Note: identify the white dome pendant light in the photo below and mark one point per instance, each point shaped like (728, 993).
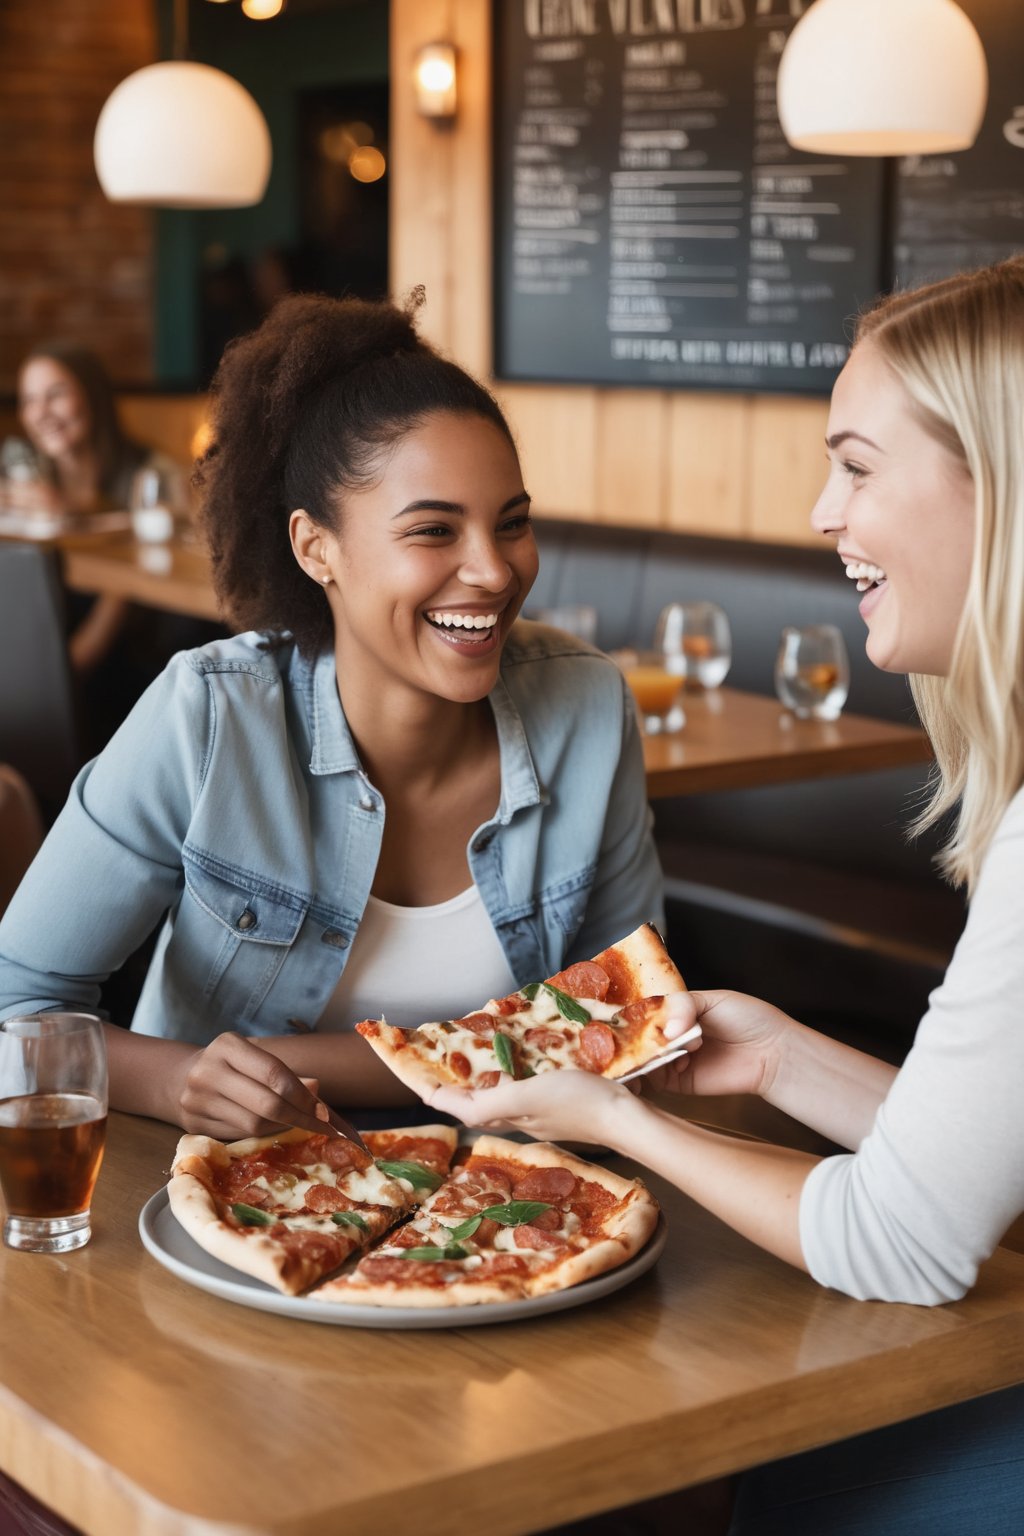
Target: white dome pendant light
(182, 135)
(882, 77)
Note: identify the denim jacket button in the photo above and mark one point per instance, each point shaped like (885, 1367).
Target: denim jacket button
(335, 938)
(483, 841)
(247, 920)
(366, 804)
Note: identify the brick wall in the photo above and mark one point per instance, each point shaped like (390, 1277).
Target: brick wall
(72, 265)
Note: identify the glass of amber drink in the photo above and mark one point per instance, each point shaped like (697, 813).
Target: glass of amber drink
(655, 688)
(53, 1121)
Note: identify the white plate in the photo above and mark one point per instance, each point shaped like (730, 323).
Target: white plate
(172, 1247)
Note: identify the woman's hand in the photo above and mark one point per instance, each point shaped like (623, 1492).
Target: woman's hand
(564, 1105)
(742, 1042)
(232, 1088)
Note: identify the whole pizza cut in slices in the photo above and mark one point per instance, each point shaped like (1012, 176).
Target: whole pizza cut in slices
(289, 1209)
(511, 1221)
(605, 1015)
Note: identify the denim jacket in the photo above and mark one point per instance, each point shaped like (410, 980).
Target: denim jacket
(231, 807)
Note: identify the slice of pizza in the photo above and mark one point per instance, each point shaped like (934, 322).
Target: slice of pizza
(510, 1221)
(289, 1209)
(605, 1015)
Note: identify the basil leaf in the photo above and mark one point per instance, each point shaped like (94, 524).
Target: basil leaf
(350, 1219)
(413, 1173)
(465, 1229)
(503, 1050)
(516, 1213)
(567, 1006)
(249, 1216)
(452, 1251)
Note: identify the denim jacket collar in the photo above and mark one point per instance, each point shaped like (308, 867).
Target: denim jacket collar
(334, 750)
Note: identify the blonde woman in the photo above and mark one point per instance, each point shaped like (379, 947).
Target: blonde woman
(925, 500)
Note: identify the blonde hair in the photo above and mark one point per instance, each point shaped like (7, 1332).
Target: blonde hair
(958, 348)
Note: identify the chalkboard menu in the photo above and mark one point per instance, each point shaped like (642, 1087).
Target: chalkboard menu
(965, 210)
(652, 224)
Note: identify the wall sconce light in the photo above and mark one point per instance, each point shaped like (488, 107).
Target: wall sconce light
(882, 77)
(434, 79)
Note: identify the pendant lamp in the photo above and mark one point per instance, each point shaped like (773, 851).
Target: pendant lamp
(882, 77)
(182, 135)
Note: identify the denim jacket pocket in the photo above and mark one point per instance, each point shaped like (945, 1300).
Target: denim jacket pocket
(238, 929)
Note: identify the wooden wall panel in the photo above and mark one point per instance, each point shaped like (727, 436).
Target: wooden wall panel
(787, 449)
(556, 430)
(708, 463)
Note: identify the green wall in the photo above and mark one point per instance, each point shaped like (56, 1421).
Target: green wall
(346, 43)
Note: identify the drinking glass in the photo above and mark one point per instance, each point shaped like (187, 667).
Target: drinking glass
(53, 1121)
(655, 689)
(812, 672)
(695, 641)
(579, 619)
(155, 504)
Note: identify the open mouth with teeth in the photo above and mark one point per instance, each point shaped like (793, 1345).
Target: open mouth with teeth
(463, 628)
(865, 574)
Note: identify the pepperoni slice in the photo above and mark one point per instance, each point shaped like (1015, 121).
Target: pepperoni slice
(488, 1080)
(622, 987)
(427, 1150)
(514, 1003)
(322, 1198)
(545, 1039)
(477, 1024)
(533, 1237)
(549, 1184)
(253, 1194)
(584, 979)
(342, 1155)
(460, 1064)
(639, 1011)
(547, 1221)
(597, 1047)
(503, 1264)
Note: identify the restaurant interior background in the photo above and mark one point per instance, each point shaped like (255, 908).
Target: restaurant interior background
(804, 893)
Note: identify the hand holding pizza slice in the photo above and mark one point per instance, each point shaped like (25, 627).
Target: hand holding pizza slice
(608, 1016)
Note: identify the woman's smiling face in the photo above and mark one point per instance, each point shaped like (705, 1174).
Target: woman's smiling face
(901, 508)
(433, 562)
(53, 407)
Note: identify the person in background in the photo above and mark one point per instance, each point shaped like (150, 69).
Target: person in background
(925, 500)
(387, 796)
(76, 459)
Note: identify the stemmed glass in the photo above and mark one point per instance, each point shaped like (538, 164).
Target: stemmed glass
(695, 640)
(812, 671)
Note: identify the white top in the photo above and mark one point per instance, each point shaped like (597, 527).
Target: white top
(417, 965)
(930, 1192)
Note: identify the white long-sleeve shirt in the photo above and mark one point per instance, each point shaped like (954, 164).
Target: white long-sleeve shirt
(930, 1191)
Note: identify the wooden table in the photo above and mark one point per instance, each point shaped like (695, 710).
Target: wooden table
(734, 740)
(174, 577)
(136, 1405)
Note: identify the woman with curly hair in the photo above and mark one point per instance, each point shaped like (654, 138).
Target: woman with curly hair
(387, 795)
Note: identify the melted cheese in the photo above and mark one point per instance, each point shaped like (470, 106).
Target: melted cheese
(367, 1186)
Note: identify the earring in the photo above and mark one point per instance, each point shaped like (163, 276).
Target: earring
(326, 580)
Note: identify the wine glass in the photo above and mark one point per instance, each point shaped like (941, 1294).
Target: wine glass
(812, 671)
(655, 689)
(695, 641)
(53, 1121)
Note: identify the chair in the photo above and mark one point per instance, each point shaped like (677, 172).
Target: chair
(38, 736)
(21, 831)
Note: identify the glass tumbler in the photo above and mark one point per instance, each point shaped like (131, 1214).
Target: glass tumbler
(53, 1121)
(696, 642)
(655, 689)
(812, 672)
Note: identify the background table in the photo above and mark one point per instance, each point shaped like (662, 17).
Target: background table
(734, 740)
(136, 1405)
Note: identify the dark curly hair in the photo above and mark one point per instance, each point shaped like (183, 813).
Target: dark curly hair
(304, 408)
